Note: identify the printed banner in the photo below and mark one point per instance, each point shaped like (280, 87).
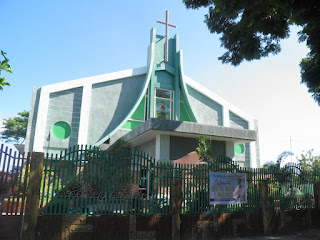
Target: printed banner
(227, 188)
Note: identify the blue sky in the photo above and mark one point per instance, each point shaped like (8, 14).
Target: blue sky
(54, 41)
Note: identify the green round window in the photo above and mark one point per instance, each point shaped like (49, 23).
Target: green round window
(239, 149)
(61, 130)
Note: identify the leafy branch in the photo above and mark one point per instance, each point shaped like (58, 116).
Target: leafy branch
(4, 66)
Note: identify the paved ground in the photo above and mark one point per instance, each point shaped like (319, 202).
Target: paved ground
(311, 234)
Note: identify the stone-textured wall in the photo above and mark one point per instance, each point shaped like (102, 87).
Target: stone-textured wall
(63, 106)
(205, 110)
(110, 104)
(237, 122)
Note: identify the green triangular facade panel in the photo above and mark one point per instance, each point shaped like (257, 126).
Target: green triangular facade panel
(184, 116)
(137, 117)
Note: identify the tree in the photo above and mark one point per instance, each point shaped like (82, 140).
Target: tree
(204, 150)
(270, 165)
(4, 65)
(15, 129)
(309, 161)
(253, 29)
(120, 147)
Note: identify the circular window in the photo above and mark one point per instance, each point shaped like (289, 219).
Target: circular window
(61, 130)
(239, 149)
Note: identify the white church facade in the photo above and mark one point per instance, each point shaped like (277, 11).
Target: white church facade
(157, 108)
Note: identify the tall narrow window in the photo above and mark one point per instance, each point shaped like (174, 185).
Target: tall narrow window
(163, 103)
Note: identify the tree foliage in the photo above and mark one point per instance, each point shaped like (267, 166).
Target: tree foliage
(252, 29)
(204, 150)
(270, 165)
(4, 66)
(120, 147)
(309, 161)
(15, 129)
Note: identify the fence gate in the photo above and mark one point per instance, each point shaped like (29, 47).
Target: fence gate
(89, 181)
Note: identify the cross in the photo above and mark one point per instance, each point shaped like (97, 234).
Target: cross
(167, 32)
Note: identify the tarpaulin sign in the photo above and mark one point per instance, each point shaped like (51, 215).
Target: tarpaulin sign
(227, 188)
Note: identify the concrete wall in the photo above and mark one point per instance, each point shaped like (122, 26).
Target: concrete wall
(256, 145)
(244, 159)
(180, 146)
(63, 106)
(164, 80)
(114, 138)
(247, 155)
(205, 110)
(160, 50)
(33, 114)
(148, 147)
(237, 122)
(238, 225)
(110, 104)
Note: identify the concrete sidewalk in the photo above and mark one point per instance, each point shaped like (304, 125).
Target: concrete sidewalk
(310, 234)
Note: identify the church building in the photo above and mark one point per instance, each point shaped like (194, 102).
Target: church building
(157, 108)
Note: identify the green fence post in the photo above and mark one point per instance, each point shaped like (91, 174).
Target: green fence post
(265, 207)
(33, 197)
(175, 195)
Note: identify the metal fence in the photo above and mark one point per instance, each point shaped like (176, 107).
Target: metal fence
(14, 177)
(288, 188)
(88, 181)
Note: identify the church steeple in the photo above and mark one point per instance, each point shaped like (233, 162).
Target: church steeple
(164, 93)
(166, 79)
